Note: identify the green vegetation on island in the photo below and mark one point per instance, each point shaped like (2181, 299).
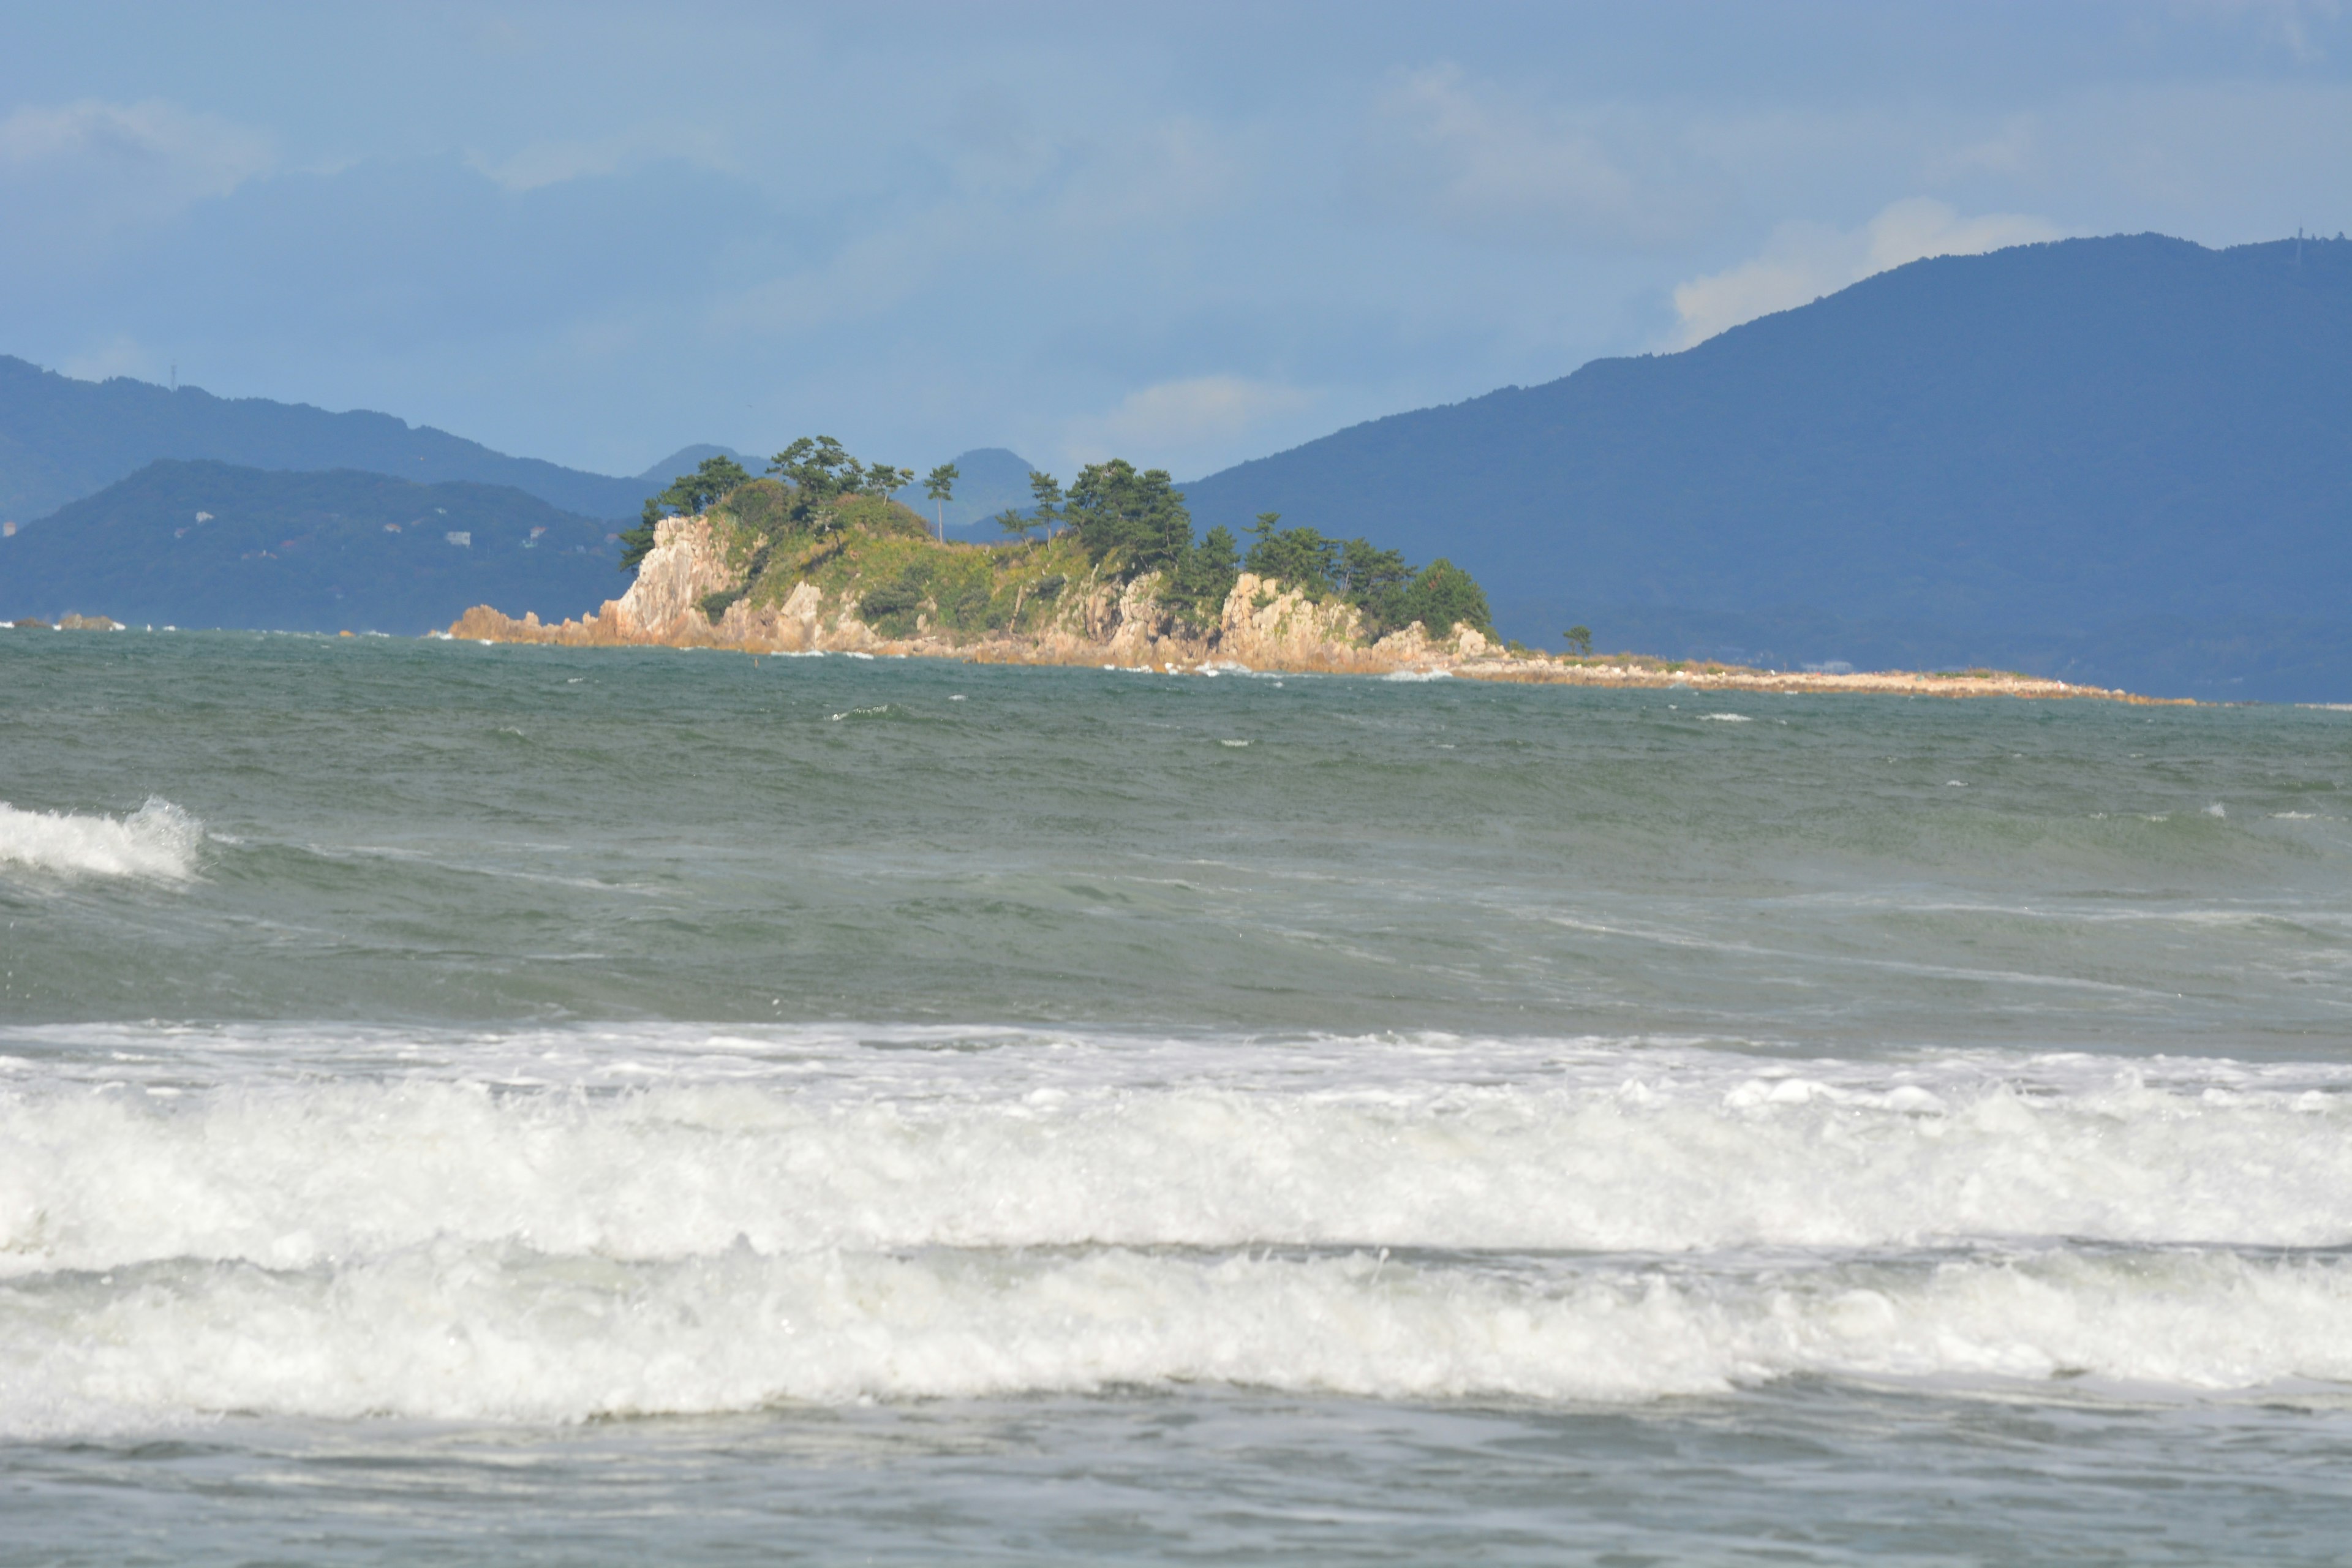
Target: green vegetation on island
(823, 517)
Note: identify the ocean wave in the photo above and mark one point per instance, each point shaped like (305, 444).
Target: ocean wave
(286, 1175)
(158, 841)
(455, 1330)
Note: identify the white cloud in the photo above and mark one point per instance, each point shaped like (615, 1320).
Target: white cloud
(555, 161)
(1168, 423)
(2011, 151)
(119, 356)
(1470, 157)
(867, 278)
(1165, 174)
(1074, 204)
(2282, 23)
(1804, 261)
(91, 163)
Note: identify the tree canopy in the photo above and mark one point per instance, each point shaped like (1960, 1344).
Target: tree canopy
(1048, 489)
(821, 476)
(688, 495)
(1138, 517)
(1138, 523)
(818, 468)
(1300, 557)
(1444, 597)
(1378, 582)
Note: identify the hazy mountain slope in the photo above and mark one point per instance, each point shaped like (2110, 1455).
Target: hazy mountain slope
(61, 439)
(304, 552)
(988, 480)
(684, 461)
(2125, 458)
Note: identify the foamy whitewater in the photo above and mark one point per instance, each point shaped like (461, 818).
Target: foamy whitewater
(158, 840)
(513, 1104)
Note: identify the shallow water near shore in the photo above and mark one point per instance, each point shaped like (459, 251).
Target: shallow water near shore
(523, 1104)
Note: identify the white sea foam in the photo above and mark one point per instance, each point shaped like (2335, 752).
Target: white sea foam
(1681, 1155)
(1416, 675)
(158, 841)
(343, 1222)
(450, 1330)
(1728, 718)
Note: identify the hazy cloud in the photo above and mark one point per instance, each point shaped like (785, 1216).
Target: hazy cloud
(1165, 424)
(119, 356)
(1472, 157)
(1167, 172)
(97, 163)
(2286, 24)
(1804, 261)
(551, 163)
(1072, 206)
(594, 233)
(870, 274)
(2010, 150)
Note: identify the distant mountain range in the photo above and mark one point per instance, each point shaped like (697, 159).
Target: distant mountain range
(61, 439)
(200, 544)
(2123, 461)
(176, 507)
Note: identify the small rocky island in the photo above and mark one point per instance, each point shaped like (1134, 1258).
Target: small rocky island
(819, 557)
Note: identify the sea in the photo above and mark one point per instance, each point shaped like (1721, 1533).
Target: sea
(526, 1105)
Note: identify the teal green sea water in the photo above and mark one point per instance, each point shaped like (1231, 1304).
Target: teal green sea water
(520, 1104)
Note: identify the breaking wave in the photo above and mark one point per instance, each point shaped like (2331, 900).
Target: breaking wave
(285, 1175)
(456, 1331)
(785, 1217)
(157, 841)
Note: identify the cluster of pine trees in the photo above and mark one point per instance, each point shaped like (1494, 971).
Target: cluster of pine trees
(1137, 523)
(818, 476)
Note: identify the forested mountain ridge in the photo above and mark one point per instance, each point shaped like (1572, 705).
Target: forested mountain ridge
(61, 439)
(2126, 461)
(200, 544)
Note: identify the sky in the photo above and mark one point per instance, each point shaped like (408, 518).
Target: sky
(1186, 234)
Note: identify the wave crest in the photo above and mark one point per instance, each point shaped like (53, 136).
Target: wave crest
(285, 1176)
(159, 842)
(452, 1330)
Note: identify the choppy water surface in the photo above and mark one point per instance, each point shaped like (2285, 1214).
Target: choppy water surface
(527, 1105)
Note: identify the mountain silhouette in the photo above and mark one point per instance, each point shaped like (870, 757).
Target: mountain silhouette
(201, 544)
(61, 439)
(2125, 460)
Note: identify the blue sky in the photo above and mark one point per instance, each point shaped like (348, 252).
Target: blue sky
(1187, 235)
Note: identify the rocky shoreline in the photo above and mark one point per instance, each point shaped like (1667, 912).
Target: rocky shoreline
(1102, 622)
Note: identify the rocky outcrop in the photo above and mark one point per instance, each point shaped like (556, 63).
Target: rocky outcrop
(687, 564)
(1095, 621)
(1268, 626)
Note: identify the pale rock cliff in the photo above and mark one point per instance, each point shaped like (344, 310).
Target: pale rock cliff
(686, 563)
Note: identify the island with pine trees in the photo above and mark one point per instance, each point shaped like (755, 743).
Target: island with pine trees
(817, 556)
